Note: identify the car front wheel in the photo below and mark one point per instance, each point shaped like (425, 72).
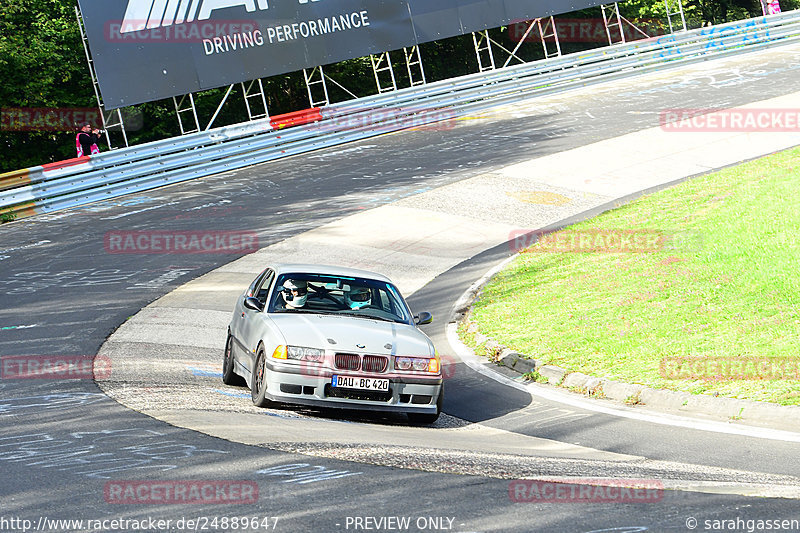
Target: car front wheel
(258, 391)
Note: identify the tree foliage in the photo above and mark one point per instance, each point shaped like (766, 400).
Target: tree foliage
(42, 64)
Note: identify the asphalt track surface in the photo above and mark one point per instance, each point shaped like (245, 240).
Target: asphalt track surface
(61, 442)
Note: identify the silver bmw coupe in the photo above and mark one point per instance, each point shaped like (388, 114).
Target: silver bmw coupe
(332, 337)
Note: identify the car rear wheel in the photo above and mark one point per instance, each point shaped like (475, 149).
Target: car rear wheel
(229, 377)
(258, 391)
(428, 418)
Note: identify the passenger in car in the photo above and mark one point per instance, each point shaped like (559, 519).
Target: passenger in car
(357, 297)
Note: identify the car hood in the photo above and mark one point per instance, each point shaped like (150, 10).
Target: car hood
(352, 335)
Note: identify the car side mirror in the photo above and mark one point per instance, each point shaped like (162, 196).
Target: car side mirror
(423, 318)
(253, 303)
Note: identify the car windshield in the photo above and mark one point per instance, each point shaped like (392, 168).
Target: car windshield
(338, 295)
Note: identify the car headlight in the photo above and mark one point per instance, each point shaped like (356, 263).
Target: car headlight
(303, 353)
(418, 364)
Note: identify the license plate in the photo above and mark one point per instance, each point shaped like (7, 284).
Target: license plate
(352, 382)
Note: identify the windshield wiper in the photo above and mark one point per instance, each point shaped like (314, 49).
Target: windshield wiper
(310, 311)
(371, 317)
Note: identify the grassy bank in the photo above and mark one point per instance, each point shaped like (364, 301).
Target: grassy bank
(725, 284)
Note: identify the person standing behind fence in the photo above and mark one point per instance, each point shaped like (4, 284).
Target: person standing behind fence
(770, 7)
(86, 140)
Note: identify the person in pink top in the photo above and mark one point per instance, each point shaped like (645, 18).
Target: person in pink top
(770, 7)
(86, 140)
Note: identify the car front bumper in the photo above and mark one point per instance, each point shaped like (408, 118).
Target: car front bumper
(310, 384)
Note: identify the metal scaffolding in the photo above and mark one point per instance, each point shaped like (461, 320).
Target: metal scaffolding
(219, 107)
(612, 20)
(675, 8)
(317, 81)
(254, 100)
(316, 87)
(383, 71)
(254, 90)
(183, 106)
(547, 31)
(483, 50)
(414, 59)
(547, 35)
(111, 119)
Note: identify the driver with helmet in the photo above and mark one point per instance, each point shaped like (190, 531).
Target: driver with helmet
(357, 297)
(295, 293)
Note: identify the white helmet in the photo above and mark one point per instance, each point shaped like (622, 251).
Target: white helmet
(357, 297)
(295, 293)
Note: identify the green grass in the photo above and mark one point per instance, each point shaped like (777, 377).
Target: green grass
(727, 286)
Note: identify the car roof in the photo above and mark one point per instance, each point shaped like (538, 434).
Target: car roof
(331, 270)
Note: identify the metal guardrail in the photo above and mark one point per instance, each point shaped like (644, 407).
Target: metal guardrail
(78, 182)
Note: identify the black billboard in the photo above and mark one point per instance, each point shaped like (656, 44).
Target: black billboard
(146, 50)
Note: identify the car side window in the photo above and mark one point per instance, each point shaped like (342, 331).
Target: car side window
(251, 290)
(262, 289)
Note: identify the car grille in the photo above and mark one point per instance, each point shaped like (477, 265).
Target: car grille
(375, 363)
(347, 361)
(369, 363)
